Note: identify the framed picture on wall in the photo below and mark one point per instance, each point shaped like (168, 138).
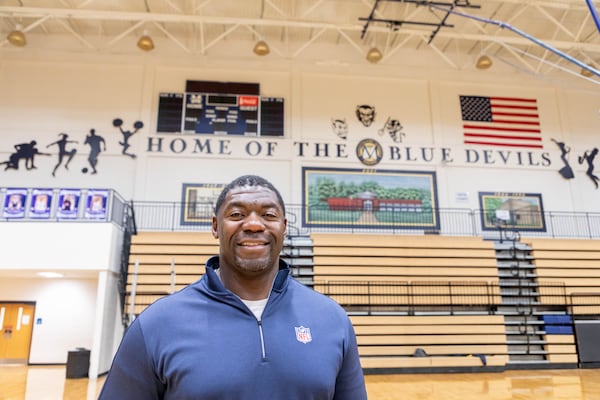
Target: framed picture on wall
(373, 198)
(14, 203)
(41, 203)
(198, 201)
(520, 211)
(68, 203)
(96, 204)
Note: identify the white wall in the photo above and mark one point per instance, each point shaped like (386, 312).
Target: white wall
(82, 308)
(65, 310)
(108, 328)
(37, 104)
(64, 246)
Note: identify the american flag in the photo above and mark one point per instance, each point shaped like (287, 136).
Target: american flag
(501, 121)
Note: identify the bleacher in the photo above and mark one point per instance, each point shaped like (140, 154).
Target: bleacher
(396, 271)
(390, 279)
(572, 264)
(569, 273)
(166, 262)
(416, 302)
(434, 341)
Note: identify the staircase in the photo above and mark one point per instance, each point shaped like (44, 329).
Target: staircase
(298, 253)
(520, 303)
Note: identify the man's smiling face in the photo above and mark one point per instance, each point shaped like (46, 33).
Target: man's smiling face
(250, 226)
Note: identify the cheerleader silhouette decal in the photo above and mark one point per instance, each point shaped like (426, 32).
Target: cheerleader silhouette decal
(137, 125)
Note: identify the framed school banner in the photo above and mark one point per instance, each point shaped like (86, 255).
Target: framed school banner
(68, 203)
(14, 203)
(521, 211)
(41, 203)
(198, 201)
(374, 198)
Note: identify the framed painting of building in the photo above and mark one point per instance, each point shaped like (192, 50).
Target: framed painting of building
(520, 211)
(198, 200)
(370, 199)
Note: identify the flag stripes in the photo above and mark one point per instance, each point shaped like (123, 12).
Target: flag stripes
(501, 121)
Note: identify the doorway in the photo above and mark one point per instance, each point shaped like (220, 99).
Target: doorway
(16, 321)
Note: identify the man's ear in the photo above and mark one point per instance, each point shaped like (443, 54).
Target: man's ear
(214, 228)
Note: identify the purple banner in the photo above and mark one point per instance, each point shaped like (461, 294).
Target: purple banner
(14, 203)
(68, 203)
(41, 203)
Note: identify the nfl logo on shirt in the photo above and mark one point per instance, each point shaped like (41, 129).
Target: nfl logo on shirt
(303, 334)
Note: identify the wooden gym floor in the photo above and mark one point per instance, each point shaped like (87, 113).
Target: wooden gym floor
(18, 382)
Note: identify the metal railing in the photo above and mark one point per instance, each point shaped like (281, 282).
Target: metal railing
(178, 216)
(453, 297)
(432, 298)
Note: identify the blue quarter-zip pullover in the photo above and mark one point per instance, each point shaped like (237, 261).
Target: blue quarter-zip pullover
(204, 343)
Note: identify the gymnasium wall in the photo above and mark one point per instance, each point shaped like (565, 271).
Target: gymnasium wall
(45, 96)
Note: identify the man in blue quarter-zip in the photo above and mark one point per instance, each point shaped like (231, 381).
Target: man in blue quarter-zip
(245, 330)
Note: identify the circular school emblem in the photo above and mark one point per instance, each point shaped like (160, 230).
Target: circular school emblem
(369, 152)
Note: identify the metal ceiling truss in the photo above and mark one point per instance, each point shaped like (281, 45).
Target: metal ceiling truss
(395, 24)
(292, 27)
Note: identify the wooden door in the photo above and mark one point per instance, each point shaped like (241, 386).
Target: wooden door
(16, 322)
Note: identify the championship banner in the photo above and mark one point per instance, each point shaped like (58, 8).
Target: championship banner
(14, 203)
(41, 203)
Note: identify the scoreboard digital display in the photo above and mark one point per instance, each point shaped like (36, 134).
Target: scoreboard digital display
(220, 114)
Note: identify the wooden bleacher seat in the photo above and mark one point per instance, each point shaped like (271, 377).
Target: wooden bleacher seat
(386, 269)
(561, 349)
(403, 258)
(568, 268)
(449, 341)
(156, 254)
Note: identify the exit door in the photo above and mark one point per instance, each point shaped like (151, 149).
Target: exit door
(16, 321)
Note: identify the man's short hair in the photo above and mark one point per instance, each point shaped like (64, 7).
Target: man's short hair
(248, 180)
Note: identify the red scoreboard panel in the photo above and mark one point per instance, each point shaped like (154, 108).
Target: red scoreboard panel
(220, 114)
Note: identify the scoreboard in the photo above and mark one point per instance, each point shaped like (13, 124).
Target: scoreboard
(220, 114)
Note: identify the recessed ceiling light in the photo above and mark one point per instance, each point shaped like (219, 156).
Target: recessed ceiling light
(50, 274)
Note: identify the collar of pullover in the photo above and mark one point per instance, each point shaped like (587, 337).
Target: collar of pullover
(215, 284)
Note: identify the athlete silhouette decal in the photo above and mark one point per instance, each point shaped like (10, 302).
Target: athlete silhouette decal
(566, 171)
(63, 152)
(589, 158)
(137, 125)
(97, 145)
(23, 151)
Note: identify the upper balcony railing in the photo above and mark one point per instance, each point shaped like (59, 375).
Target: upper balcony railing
(61, 205)
(178, 216)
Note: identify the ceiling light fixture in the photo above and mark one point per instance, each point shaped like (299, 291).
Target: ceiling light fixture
(484, 62)
(17, 37)
(374, 55)
(145, 42)
(50, 274)
(261, 48)
(586, 72)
